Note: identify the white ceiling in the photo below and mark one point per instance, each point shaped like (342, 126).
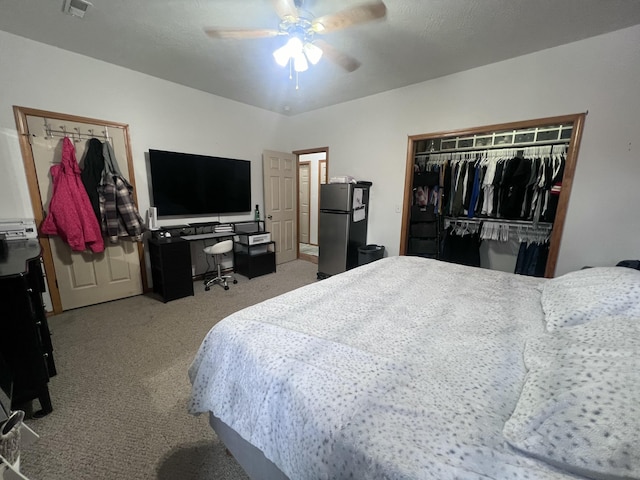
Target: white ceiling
(419, 40)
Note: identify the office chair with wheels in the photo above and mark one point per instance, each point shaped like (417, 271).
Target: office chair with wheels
(217, 251)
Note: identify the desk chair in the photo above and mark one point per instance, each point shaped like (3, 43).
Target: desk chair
(217, 251)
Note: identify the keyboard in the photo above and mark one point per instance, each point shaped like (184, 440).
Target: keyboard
(201, 236)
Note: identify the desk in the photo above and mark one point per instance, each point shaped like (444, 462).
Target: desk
(171, 256)
(171, 263)
(200, 261)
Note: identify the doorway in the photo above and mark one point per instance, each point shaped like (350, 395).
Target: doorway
(312, 172)
(77, 279)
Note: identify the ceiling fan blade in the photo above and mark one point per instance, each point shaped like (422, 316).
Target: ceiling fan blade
(334, 55)
(240, 33)
(351, 16)
(286, 9)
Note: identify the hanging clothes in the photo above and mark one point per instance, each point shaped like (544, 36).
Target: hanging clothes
(511, 184)
(457, 207)
(120, 217)
(514, 184)
(461, 247)
(446, 189)
(92, 174)
(71, 215)
(532, 259)
(557, 164)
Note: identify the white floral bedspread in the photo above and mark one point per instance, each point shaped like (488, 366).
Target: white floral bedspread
(404, 368)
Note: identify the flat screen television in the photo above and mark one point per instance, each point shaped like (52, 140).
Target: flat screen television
(184, 184)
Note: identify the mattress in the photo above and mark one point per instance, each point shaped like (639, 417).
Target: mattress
(404, 368)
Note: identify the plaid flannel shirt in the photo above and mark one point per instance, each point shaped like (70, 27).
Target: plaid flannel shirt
(120, 217)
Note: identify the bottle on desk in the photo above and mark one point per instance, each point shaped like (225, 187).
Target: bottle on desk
(257, 214)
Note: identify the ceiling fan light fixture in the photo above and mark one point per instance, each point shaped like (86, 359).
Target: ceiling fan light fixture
(282, 56)
(294, 45)
(299, 27)
(300, 62)
(293, 49)
(312, 52)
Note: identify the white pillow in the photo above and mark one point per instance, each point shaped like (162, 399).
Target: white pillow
(579, 297)
(579, 407)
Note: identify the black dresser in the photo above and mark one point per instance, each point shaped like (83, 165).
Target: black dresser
(25, 347)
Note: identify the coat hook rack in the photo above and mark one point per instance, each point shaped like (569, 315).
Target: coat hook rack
(47, 129)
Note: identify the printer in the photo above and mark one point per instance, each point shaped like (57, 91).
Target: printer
(18, 229)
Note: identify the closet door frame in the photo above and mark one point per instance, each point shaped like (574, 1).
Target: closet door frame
(20, 114)
(576, 119)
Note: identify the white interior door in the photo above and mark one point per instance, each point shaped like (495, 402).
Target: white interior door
(304, 186)
(281, 199)
(84, 278)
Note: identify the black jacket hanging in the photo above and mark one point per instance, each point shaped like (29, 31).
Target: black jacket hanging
(92, 173)
(554, 191)
(514, 186)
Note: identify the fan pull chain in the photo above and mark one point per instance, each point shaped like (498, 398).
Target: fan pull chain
(291, 73)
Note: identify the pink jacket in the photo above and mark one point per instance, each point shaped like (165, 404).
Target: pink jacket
(70, 213)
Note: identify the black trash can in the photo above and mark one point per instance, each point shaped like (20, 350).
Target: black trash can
(370, 253)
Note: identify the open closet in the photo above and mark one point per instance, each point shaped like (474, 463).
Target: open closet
(497, 195)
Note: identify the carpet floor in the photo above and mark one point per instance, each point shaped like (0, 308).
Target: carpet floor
(121, 391)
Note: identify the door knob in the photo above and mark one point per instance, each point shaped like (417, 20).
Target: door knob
(269, 217)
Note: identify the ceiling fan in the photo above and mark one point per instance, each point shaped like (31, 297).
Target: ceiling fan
(301, 28)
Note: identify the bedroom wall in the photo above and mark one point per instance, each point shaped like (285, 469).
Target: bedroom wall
(599, 75)
(160, 114)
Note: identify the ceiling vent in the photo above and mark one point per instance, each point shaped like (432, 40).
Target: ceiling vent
(76, 8)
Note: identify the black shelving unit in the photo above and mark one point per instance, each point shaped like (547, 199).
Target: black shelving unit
(255, 260)
(424, 233)
(424, 224)
(171, 267)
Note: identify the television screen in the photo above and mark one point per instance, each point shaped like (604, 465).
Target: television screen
(185, 184)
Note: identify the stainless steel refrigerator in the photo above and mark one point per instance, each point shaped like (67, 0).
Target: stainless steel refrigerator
(344, 213)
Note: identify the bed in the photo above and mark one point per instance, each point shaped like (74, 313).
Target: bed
(410, 368)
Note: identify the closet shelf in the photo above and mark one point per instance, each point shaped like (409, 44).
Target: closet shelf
(528, 137)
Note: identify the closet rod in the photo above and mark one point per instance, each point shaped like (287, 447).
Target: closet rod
(503, 146)
(525, 223)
